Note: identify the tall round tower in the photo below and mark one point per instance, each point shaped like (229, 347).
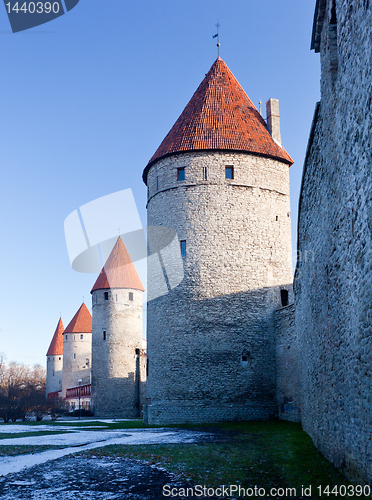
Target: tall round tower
(55, 362)
(117, 298)
(220, 179)
(77, 350)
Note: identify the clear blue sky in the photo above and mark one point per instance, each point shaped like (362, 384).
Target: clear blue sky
(86, 101)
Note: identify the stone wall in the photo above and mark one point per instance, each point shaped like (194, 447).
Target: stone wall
(287, 355)
(334, 274)
(118, 362)
(211, 342)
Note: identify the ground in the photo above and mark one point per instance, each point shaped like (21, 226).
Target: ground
(97, 478)
(112, 460)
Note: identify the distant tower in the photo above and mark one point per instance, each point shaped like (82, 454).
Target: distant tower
(77, 350)
(117, 337)
(220, 179)
(55, 362)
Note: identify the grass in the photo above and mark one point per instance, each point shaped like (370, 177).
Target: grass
(266, 454)
(16, 435)
(130, 424)
(13, 451)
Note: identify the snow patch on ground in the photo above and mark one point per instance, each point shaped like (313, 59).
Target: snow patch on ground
(86, 440)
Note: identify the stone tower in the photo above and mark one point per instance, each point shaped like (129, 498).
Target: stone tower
(117, 299)
(221, 180)
(55, 361)
(77, 350)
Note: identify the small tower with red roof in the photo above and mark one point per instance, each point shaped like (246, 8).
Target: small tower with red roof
(117, 354)
(55, 363)
(77, 350)
(220, 179)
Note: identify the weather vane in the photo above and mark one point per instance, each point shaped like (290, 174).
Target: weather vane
(217, 35)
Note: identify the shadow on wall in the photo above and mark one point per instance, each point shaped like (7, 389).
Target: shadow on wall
(224, 356)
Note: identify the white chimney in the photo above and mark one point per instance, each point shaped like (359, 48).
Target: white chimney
(273, 119)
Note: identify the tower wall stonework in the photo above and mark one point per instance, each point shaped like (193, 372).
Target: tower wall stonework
(77, 357)
(54, 373)
(211, 342)
(118, 364)
(287, 358)
(333, 284)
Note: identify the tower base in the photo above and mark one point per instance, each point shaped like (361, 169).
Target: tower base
(197, 413)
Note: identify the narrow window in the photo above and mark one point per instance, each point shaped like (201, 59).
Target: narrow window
(204, 173)
(229, 172)
(277, 218)
(147, 367)
(181, 174)
(116, 297)
(66, 337)
(106, 295)
(183, 248)
(104, 334)
(59, 359)
(130, 295)
(74, 356)
(87, 361)
(157, 183)
(53, 373)
(284, 297)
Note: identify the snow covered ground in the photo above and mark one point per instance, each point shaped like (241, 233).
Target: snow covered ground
(79, 439)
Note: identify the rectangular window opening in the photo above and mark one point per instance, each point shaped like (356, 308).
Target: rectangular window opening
(183, 248)
(181, 174)
(284, 297)
(81, 337)
(74, 356)
(229, 172)
(104, 334)
(106, 295)
(205, 174)
(130, 295)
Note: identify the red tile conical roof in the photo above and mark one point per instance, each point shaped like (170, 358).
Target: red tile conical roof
(81, 322)
(56, 346)
(219, 116)
(119, 271)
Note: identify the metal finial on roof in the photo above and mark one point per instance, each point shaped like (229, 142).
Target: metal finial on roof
(259, 104)
(217, 35)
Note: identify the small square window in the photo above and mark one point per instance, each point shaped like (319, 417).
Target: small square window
(183, 248)
(106, 295)
(104, 334)
(229, 172)
(181, 174)
(130, 295)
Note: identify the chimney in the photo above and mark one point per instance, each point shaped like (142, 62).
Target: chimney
(273, 119)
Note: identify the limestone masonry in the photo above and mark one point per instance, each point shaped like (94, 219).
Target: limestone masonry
(334, 271)
(211, 340)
